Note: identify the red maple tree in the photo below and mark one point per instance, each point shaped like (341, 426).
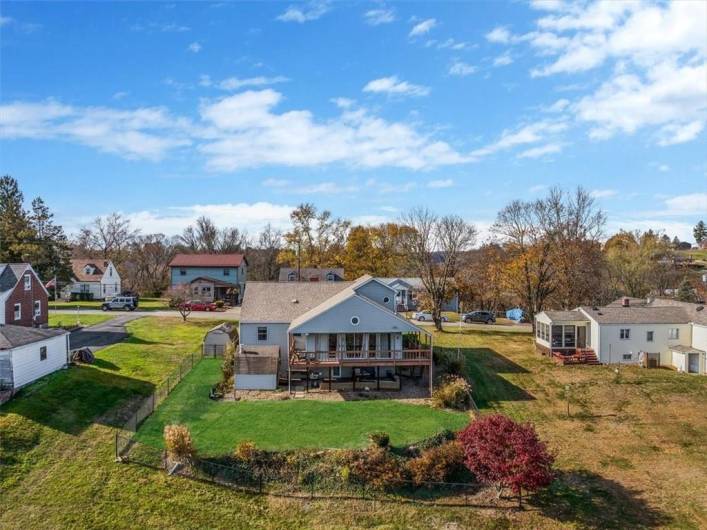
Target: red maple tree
(507, 454)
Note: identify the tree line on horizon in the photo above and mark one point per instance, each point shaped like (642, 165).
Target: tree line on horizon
(544, 253)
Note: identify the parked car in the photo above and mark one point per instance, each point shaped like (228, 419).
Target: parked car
(487, 317)
(196, 305)
(133, 295)
(426, 316)
(126, 303)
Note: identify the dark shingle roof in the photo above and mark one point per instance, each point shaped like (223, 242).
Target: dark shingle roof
(14, 336)
(308, 273)
(10, 274)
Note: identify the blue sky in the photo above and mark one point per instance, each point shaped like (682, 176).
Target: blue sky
(240, 111)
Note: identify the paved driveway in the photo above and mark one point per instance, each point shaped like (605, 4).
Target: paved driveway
(103, 334)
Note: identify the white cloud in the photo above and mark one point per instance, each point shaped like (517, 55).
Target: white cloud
(558, 106)
(245, 131)
(503, 60)
(537, 188)
(672, 228)
(327, 188)
(393, 85)
(251, 217)
(670, 96)
(234, 83)
(205, 80)
(422, 28)
(194, 47)
(439, 184)
(692, 203)
(376, 17)
(383, 187)
(5, 21)
(276, 183)
(499, 35)
(120, 95)
(543, 150)
(143, 133)
(449, 44)
(461, 69)
(301, 14)
(527, 134)
(603, 194)
(677, 133)
(369, 220)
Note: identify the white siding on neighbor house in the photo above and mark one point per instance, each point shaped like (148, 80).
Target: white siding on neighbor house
(612, 348)
(110, 283)
(27, 366)
(277, 335)
(699, 340)
(2, 307)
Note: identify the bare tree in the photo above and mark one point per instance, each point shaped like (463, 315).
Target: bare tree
(109, 236)
(433, 245)
(263, 258)
(232, 240)
(147, 268)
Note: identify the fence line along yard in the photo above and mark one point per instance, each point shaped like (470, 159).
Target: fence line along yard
(302, 486)
(124, 437)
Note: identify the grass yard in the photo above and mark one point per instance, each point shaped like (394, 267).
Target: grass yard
(218, 426)
(633, 451)
(64, 320)
(632, 454)
(146, 304)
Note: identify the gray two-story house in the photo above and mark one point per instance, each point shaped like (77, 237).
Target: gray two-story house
(211, 277)
(329, 336)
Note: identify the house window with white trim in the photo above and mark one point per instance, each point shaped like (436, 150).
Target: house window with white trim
(43, 353)
(37, 308)
(625, 333)
(226, 272)
(18, 311)
(262, 333)
(28, 282)
(673, 333)
(627, 356)
(649, 336)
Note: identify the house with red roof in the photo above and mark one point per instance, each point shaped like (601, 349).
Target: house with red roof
(211, 277)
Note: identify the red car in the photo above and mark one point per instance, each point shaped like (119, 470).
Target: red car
(196, 305)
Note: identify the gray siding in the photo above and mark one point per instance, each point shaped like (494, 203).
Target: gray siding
(277, 335)
(378, 293)
(372, 319)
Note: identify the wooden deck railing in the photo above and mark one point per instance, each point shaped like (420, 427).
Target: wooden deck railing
(419, 354)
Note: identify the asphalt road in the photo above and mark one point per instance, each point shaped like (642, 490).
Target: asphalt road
(103, 334)
(231, 314)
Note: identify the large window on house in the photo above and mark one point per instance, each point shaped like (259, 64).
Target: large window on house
(262, 333)
(333, 346)
(624, 333)
(570, 335)
(43, 353)
(674, 333)
(18, 311)
(354, 341)
(28, 282)
(557, 336)
(37, 308)
(372, 342)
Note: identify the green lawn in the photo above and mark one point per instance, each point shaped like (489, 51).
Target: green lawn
(64, 320)
(146, 304)
(218, 426)
(630, 456)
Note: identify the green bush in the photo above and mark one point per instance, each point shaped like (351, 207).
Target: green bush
(453, 393)
(437, 464)
(379, 439)
(219, 304)
(438, 439)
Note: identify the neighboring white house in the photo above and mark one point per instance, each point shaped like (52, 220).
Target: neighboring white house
(329, 335)
(26, 354)
(407, 291)
(630, 331)
(92, 278)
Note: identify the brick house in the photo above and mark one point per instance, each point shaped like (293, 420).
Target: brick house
(23, 297)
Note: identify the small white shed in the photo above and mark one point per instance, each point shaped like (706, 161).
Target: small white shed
(256, 367)
(26, 354)
(687, 359)
(218, 339)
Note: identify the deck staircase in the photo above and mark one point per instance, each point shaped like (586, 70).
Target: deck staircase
(580, 356)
